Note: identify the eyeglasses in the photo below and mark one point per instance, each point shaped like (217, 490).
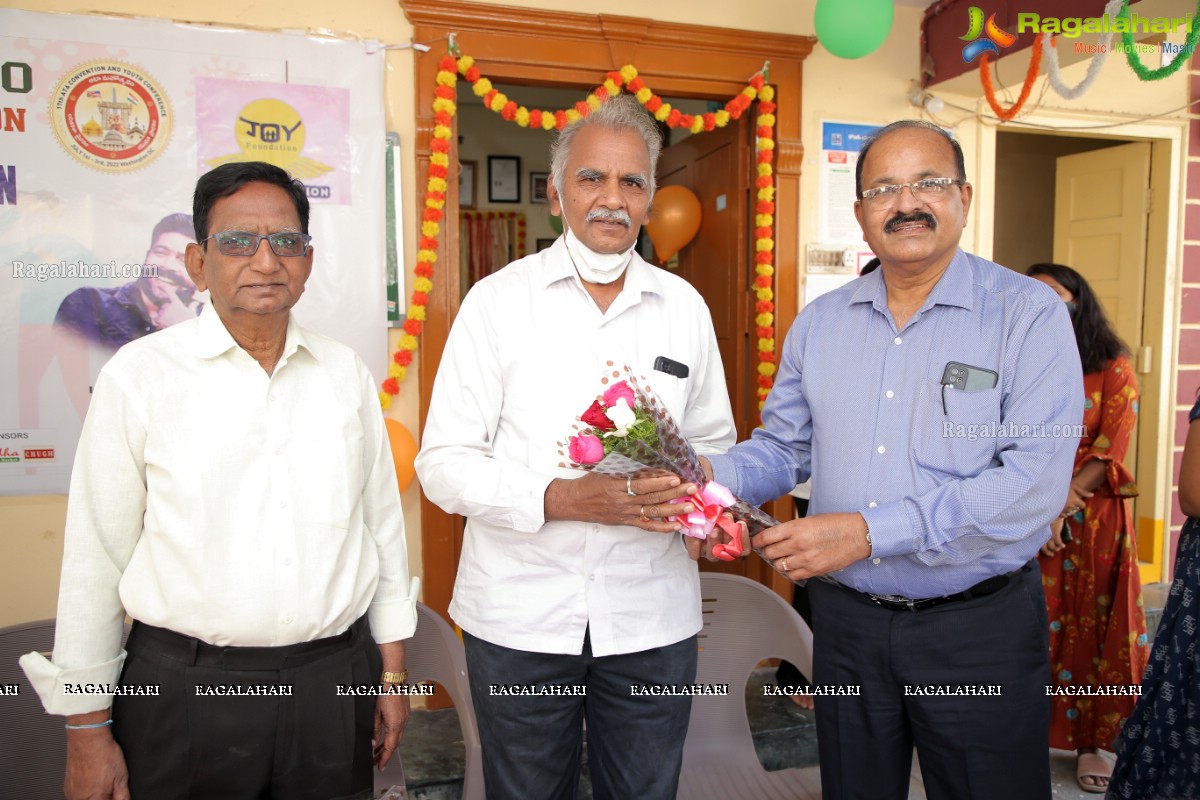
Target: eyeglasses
(242, 243)
(929, 188)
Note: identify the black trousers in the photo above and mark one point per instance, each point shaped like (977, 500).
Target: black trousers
(532, 744)
(913, 668)
(204, 738)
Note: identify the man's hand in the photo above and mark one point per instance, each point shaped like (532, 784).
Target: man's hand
(703, 548)
(391, 710)
(1055, 543)
(95, 764)
(806, 548)
(607, 500)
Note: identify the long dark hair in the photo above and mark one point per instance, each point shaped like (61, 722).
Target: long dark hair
(1098, 342)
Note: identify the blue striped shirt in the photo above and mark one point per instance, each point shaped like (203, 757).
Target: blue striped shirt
(956, 486)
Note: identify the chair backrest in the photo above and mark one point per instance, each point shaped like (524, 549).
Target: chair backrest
(744, 623)
(33, 744)
(435, 653)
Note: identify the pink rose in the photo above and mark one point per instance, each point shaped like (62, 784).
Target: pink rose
(596, 417)
(616, 392)
(586, 449)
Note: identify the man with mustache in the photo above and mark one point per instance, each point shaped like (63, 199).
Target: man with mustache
(933, 402)
(572, 582)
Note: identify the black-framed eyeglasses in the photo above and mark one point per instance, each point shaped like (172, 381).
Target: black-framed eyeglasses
(926, 187)
(244, 243)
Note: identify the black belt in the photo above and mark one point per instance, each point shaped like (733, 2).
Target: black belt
(981, 589)
(189, 650)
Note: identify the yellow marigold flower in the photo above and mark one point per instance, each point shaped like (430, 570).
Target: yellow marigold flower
(523, 116)
(429, 229)
(765, 270)
(766, 119)
(573, 115)
(764, 220)
(766, 193)
(481, 87)
(644, 94)
(764, 294)
(765, 169)
(750, 92)
(547, 121)
(763, 320)
(438, 204)
(593, 102)
(417, 313)
(441, 159)
(766, 144)
(408, 342)
(611, 87)
(445, 78)
(396, 371)
(441, 132)
(766, 345)
(437, 184)
(697, 124)
(427, 256)
(499, 101)
(767, 93)
(628, 72)
(385, 400)
(465, 63)
(422, 285)
(721, 118)
(766, 368)
(442, 104)
(663, 112)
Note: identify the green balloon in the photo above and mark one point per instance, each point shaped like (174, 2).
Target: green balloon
(556, 224)
(852, 28)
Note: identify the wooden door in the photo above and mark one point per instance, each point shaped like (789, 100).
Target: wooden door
(1101, 204)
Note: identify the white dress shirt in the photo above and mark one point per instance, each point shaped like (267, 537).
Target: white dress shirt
(524, 359)
(217, 501)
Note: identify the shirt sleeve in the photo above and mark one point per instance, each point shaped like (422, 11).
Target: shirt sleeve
(104, 522)
(457, 464)
(962, 520)
(393, 610)
(778, 454)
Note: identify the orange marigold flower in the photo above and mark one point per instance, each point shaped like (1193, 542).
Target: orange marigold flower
(582, 108)
(448, 64)
(442, 118)
(710, 121)
(560, 119)
(535, 118)
(765, 333)
(765, 208)
(403, 357)
(412, 326)
(654, 103)
(762, 256)
(757, 81)
(422, 270)
(764, 306)
(439, 145)
(446, 92)
(391, 386)
(420, 299)
(472, 74)
(635, 85)
(674, 117)
(431, 215)
(765, 107)
(765, 156)
(509, 112)
(438, 171)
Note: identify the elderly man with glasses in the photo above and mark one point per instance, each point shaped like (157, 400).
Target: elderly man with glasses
(234, 493)
(932, 402)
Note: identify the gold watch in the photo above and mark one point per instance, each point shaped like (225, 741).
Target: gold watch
(395, 677)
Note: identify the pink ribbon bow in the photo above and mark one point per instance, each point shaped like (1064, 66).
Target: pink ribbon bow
(707, 507)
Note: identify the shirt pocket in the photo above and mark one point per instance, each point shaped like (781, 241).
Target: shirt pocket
(955, 433)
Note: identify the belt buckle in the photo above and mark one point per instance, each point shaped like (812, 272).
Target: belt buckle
(892, 600)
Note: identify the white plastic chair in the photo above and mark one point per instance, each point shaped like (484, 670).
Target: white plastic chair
(435, 653)
(744, 623)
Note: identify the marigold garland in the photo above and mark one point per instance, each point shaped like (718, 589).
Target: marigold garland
(989, 90)
(626, 78)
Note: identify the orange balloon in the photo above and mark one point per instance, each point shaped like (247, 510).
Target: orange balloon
(404, 451)
(674, 220)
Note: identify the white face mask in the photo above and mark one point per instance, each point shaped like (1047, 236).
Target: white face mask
(596, 267)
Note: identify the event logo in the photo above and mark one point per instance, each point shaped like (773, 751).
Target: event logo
(271, 130)
(111, 116)
(995, 36)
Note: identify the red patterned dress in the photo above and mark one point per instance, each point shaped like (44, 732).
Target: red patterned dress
(1093, 590)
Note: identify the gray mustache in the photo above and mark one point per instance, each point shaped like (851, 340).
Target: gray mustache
(613, 216)
(916, 216)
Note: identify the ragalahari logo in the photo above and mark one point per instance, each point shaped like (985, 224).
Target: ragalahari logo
(993, 33)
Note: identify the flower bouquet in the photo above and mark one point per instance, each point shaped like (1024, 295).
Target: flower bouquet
(627, 432)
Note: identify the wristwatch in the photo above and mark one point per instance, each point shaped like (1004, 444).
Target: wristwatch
(395, 677)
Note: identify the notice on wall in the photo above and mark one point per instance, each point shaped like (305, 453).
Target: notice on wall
(840, 143)
(105, 125)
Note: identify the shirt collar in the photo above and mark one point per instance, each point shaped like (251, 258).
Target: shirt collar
(213, 338)
(954, 288)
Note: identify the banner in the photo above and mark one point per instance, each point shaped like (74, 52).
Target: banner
(105, 125)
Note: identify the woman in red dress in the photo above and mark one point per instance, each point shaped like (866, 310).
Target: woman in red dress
(1089, 566)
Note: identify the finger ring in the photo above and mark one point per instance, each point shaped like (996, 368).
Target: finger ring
(642, 514)
(629, 486)
(783, 564)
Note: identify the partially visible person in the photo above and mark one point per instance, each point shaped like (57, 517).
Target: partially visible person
(235, 494)
(1092, 585)
(1158, 751)
(116, 316)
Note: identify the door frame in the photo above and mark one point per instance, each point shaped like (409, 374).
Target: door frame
(1164, 264)
(532, 46)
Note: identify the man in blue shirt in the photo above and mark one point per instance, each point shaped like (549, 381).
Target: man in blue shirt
(934, 402)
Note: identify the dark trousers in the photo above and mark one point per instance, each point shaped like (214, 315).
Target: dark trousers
(532, 743)
(977, 747)
(198, 741)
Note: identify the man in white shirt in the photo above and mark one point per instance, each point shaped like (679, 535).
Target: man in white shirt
(569, 578)
(233, 493)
